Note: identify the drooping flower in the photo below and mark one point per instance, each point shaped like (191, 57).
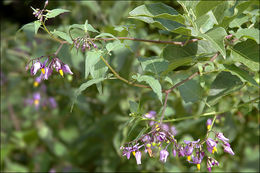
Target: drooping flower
(174, 152)
(66, 69)
(138, 156)
(190, 146)
(53, 103)
(197, 159)
(163, 155)
(209, 123)
(211, 145)
(161, 136)
(228, 149)
(222, 137)
(35, 67)
(36, 99)
(173, 130)
(150, 115)
(181, 151)
(37, 81)
(211, 162)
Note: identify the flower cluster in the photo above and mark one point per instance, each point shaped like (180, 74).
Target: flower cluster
(47, 67)
(39, 13)
(83, 43)
(40, 99)
(161, 137)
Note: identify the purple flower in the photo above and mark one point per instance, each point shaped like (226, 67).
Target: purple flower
(211, 162)
(52, 102)
(150, 115)
(165, 127)
(35, 67)
(36, 99)
(48, 72)
(181, 152)
(211, 145)
(138, 156)
(222, 137)
(146, 138)
(173, 130)
(190, 146)
(163, 155)
(174, 152)
(37, 81)
(161, 136)
(228, 149)
(209, 123)
(66, 69)
(43, 66)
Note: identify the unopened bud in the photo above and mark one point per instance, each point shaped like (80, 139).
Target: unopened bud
(46, 3)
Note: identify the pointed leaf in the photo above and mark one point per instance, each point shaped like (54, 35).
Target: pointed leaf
(55, 12)
(37, 25)
(153, 64)
(204, 6)
(224, 84)
(92, 58)
(216, 37)
(62, 35)
(152, 82)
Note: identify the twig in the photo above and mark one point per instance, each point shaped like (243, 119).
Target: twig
(58, 50)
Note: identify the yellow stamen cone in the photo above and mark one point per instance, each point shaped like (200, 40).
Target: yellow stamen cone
(36, 102)
(214, 149)
(188, 158)
(35, 84)
(198, 166)
(43, 71)
(61, 72)
(133, 153)
(208, 126)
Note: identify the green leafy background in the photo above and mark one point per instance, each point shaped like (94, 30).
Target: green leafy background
(91, 122)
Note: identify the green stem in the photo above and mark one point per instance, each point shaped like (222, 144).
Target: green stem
(121, 78)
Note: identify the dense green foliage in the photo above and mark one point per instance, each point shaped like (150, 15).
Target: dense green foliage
(97, 113)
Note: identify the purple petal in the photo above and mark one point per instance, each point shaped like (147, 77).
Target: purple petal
(66, 69)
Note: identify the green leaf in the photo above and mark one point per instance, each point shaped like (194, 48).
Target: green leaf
(251, 33)
(88, 27)
(55, 12)
(216, 37)
(152, 82)
(191, 91)
(87, 84)
(224, 84)
(133, 106)
(92, 58)
(165, 24)
(242, 74)
(114, 46)
(157, 10)
(62, 35)
(204, 6)
(37, 25)
(247, 52)
(206, 22)
(106, 35)
(153, 64)
(238, 21)
(183, 55)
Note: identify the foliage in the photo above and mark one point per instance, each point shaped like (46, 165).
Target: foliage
(186, 60)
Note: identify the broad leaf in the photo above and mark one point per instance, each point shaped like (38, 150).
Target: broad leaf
(242, 74)
(179, 56)
(55, 12)
(216, 37)
(152, 82)
(247, 52)
(133, 106)
(88, 27)
(191, 91)
(92, 58)
(153, 64)
(106, 35)
(62, 35)
(37, 25)
(224, 84)
(115, 45)
(204, 6)
(157, 10)
(206, 22)
(251, 33)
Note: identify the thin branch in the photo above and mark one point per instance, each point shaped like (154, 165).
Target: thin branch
(164, 105)
(121, 78)
(151, 41)
(58, 50)
(209, 113)
(51, 35)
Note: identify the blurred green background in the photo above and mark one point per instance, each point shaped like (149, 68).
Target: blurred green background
(89, 137)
